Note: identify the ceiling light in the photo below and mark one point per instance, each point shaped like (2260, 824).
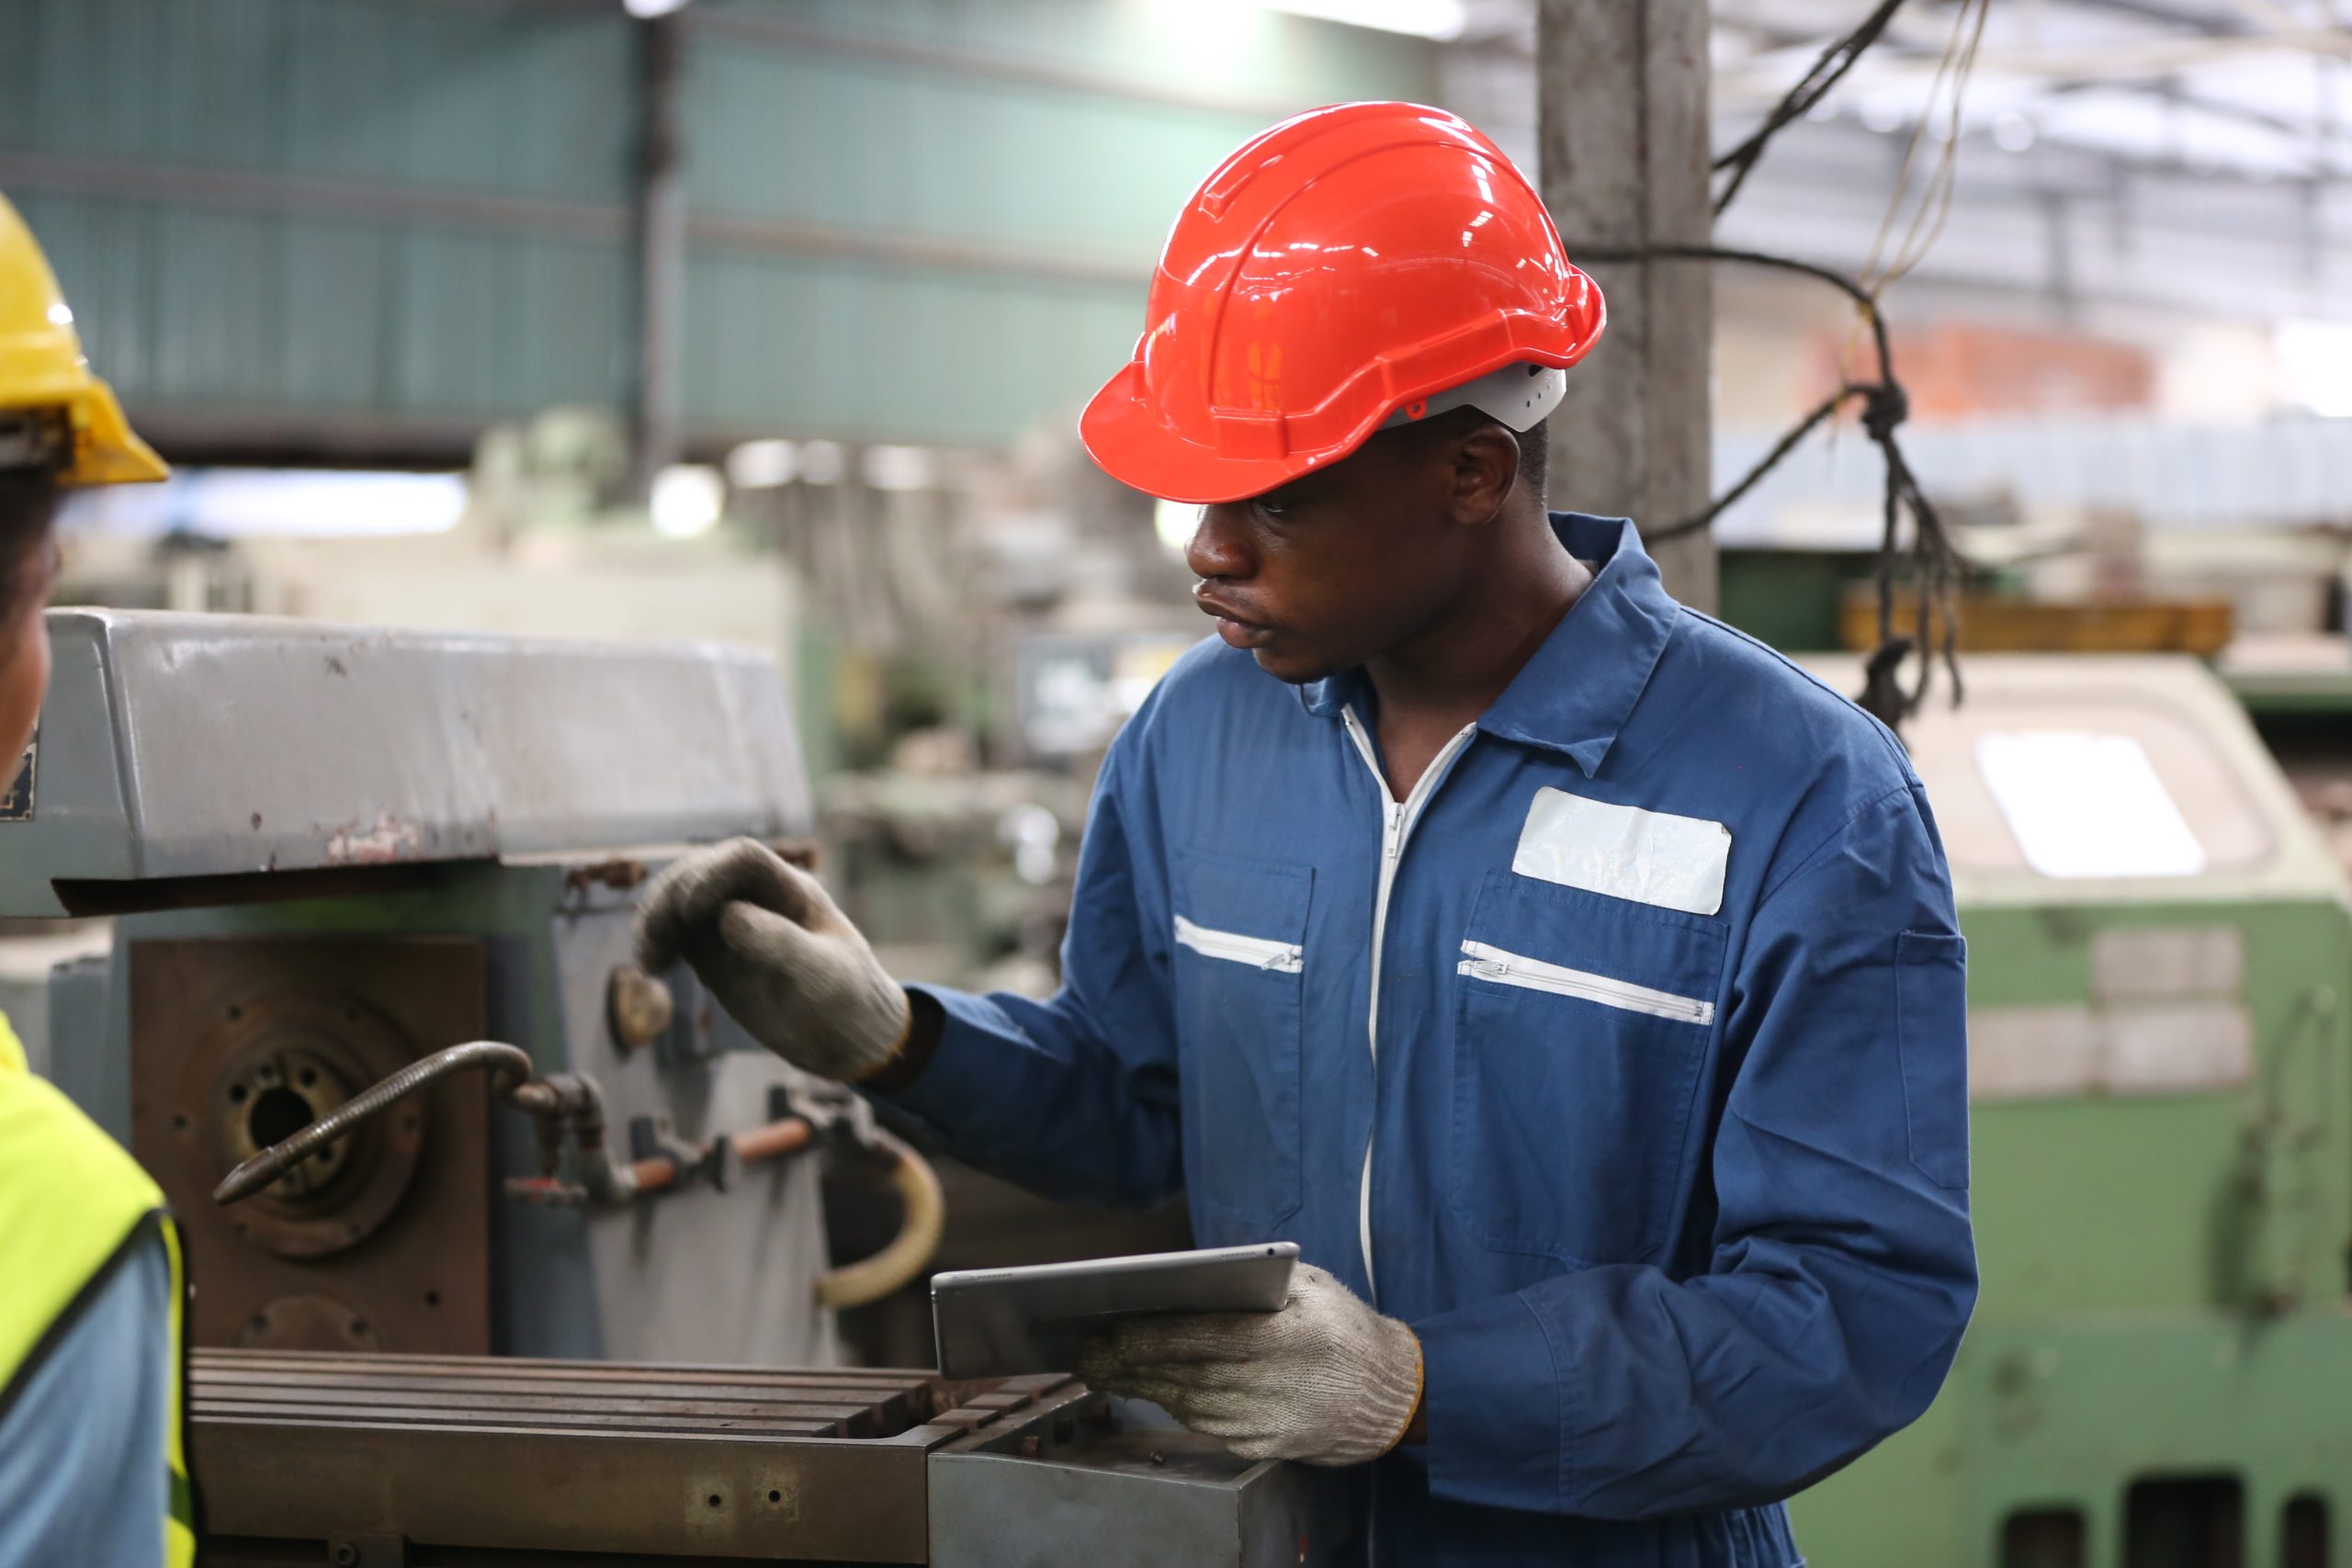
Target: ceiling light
(761, 465)
(2013, 133)
(687, 500)
(900, 468)
(1424, 19)
(646, 10)
(2315, 363)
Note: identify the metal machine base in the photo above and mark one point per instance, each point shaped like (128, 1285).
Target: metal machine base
(404, 1461)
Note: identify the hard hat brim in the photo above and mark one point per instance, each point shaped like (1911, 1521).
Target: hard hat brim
(1127, 441)
(106, 451)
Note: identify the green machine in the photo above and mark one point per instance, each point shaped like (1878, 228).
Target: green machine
(2159, 1373)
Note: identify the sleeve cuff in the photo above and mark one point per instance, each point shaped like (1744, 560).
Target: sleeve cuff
(1491, 1392)
(956, 1080)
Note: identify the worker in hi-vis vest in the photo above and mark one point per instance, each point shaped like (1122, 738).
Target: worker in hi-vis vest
(1575, 980)
(93, 1470)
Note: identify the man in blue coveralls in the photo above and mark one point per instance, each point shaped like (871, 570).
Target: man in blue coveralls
(1574, 979)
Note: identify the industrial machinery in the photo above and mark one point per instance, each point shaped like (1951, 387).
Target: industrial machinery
(371, 903)
(2160, 946)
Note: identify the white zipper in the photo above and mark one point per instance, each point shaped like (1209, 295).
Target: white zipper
(1486, 963)
(1264, 953)
(1397, 826)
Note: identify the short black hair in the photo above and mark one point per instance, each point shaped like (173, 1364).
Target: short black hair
(28, 500)
(1535, 456)
(1534, 442)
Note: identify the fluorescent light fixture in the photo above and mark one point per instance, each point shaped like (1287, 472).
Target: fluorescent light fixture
(646, 10)
(900, 468)
(1424, 19)
(687, 500)
(2013, 133)
(237, 503)
(2315, 363)
(763, 464)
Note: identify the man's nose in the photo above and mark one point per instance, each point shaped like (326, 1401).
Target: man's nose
(1219, 548)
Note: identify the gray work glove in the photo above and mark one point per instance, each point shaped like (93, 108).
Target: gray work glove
(776, 952)
(1326, 1379)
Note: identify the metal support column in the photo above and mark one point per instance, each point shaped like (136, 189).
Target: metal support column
(1622, 88)
(659, 223)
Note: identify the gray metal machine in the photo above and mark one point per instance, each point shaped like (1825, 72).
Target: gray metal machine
(326, 855)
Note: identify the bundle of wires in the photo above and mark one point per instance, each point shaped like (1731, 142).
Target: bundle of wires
(1934, 565)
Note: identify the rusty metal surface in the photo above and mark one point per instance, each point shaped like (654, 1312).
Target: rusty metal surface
(387, 1243)
(451, 1454)
(202, 746)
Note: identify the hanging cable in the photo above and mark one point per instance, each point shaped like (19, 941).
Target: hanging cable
(1957, 67)
(1937, 566)
(1810, 89)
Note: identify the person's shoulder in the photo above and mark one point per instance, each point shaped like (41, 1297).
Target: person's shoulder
(1212, 681)
(1210, 689)
(1775, 707)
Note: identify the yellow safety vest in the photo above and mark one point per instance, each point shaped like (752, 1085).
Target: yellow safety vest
(73, 1205)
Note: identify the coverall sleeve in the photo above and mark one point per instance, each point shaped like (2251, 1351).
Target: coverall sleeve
(1842, 1270)
(1096, 1063)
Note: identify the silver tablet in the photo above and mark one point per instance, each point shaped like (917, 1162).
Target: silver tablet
(1001, 1321)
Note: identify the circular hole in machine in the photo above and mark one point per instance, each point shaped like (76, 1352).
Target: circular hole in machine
(237, 1092)
(277, 1115)
(714, 1499)
(307, 1076)
(775, 1496)
(433, 1298)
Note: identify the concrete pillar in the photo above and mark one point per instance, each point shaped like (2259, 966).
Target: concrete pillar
(656, 409)
(1621, 95)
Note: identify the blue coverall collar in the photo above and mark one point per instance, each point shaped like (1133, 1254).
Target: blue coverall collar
(1577, 691)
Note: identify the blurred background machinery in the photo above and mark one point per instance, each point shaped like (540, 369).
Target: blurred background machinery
(2160, 1059)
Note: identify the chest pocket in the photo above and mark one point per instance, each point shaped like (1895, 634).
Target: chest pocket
(1583, 1023)
(1240, 934)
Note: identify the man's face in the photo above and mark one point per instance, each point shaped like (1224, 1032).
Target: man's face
(1342, 565)
(24, 643)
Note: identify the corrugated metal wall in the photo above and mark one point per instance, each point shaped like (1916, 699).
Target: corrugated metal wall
(366, 226)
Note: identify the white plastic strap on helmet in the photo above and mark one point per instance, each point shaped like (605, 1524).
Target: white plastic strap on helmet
(1517, 396)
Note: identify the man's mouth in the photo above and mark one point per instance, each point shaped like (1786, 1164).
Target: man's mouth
(1236, 629)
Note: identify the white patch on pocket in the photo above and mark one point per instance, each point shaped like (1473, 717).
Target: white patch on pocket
(1650, 857)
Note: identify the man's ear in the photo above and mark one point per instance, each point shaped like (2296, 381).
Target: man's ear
(1486, 465)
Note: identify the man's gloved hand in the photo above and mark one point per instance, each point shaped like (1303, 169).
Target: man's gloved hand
(773, 948)
(1326, 1379)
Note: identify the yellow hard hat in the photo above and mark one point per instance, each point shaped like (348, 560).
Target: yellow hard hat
(42, 368)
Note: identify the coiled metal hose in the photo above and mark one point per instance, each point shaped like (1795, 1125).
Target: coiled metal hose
(492, 1055)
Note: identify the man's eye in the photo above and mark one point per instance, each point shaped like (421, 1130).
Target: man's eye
(1275, 509)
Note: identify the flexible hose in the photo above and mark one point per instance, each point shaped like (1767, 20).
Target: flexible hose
(896, 1265)
(273, 1162)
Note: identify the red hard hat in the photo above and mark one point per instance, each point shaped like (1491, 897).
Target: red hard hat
(1348, 265)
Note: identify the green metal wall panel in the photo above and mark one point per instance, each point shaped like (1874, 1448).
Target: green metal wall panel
(857, 351)
(525, 99)
(921, 219)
